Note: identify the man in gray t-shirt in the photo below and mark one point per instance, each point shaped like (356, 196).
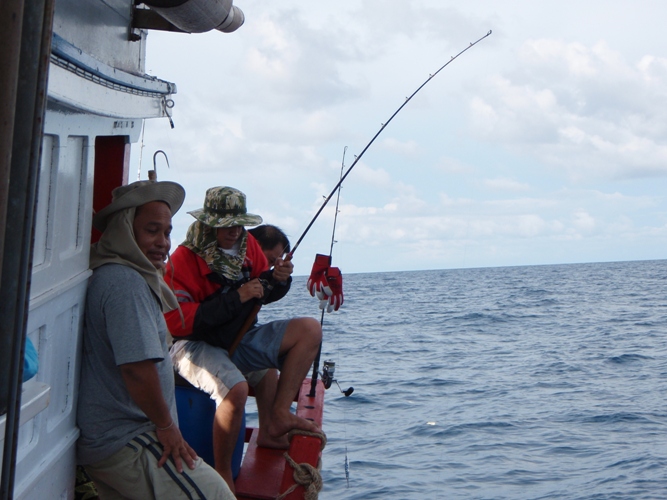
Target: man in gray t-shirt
(123, 324)
(130, 442)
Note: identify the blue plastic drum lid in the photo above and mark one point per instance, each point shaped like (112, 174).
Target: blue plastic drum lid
(196, 411)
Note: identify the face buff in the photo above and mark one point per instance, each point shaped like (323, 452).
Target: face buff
(202, 240)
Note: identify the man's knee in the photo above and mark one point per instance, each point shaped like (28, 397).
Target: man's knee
(237, 396)
(302, 333)
(311, 330)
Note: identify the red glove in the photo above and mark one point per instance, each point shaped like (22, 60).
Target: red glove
(335, 287)
(318, 279)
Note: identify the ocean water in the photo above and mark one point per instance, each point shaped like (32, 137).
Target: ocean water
(539, 382)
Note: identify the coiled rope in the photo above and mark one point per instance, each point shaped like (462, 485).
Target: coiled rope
(305, 474)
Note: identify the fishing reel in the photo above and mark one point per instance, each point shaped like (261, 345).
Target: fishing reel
(327, 375)
(268, 287)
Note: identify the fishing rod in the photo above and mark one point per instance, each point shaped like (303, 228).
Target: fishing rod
(329, 366)
(257, 307)
(384, 125)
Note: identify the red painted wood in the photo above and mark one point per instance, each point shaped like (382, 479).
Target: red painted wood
(305, 449)
(261, 472)
(264, 472)
(112, 165)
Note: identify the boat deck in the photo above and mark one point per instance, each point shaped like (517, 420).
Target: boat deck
(265, 473)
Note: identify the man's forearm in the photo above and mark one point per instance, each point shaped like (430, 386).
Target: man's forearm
(143, 384)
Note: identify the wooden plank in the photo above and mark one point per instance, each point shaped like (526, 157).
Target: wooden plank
(305, 449)
(264, 472)
(261, 472)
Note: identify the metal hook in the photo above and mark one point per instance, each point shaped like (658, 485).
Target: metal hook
(167, 105)
(152, 174)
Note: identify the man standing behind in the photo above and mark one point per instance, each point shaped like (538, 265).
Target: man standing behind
(130, 442)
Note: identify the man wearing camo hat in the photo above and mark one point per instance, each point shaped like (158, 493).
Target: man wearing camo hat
(219, 275)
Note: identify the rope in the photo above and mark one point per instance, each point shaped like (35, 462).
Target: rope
(305, 474)
(320, 435)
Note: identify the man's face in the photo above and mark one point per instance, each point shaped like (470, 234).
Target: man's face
(227, 236)
(152, 231)
(273, 254)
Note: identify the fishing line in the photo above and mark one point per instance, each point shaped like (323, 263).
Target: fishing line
(141, 148)
(384, 125)
(329, 366)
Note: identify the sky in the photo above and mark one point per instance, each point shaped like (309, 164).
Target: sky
(545, 143)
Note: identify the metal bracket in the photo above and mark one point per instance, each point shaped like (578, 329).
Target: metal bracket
(147, 19)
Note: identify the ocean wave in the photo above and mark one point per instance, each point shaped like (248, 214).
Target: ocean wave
(628, 358)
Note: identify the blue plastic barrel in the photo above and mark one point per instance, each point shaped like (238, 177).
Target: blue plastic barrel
(195, 419)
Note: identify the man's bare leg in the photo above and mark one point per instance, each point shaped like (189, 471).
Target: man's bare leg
(265, 395)
(299, 346)
(226, 428)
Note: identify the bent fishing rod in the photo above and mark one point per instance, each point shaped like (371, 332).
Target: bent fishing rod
(255, 311)
(384, 125)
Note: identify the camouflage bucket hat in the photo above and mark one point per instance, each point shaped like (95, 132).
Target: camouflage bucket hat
(225, 207)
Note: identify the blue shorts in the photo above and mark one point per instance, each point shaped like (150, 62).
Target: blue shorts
(210, 369)
(260, 347)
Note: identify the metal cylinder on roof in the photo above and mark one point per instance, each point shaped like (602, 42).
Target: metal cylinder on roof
(199, 16)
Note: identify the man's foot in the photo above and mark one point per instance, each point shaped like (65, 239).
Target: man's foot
(281, 424)
(266, 441)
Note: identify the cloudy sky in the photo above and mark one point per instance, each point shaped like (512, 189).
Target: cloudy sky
(545, 143)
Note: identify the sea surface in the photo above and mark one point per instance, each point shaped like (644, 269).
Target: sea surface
(538, 382)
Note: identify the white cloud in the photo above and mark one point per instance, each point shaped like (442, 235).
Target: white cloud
(378, 178)
(582, 109)
(407, 148)
(583, 221)
(454, 166)
(501, 184)
(543, 144)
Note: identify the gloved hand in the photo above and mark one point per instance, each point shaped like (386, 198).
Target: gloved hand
(333, 290)
(318, 279)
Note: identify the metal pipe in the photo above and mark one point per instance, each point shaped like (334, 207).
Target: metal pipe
(28, 127)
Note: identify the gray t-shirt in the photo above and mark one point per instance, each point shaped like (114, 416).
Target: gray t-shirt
(123, 324)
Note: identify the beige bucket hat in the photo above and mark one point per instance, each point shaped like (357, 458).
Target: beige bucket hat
(139, 193)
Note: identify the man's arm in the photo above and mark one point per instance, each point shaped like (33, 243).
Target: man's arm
(278, 288)
(143, 384)
(281, 277)
(202, 306)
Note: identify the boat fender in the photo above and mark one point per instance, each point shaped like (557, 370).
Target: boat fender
(199, 16)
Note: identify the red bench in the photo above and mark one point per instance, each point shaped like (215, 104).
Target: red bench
(265, 473)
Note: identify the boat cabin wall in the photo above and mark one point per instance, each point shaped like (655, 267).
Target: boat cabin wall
(98, 98)
(101, 29)
(45, 465)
